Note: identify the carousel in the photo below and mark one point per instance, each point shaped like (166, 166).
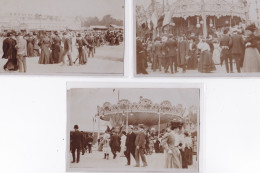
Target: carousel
(197, 16)
(144, 112)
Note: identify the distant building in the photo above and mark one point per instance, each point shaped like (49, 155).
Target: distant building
(22, 21)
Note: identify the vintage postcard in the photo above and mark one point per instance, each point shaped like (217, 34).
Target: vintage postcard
(133, 129)
(62, 37)
(177, 38)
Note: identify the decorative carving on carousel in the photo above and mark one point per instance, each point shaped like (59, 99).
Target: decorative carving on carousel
(187, 8)
(144, 105)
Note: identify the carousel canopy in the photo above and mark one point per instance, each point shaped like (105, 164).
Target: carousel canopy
(189, 8)
(144, 112)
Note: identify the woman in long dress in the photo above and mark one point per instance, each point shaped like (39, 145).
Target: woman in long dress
(45, 45)
(30, 40)
(216, 52)
(206, 64)
(171, 147)
(252, 56)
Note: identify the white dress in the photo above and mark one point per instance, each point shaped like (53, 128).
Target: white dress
(123, 140)
(216, 53)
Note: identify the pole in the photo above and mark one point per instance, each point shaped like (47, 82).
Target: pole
(159, 123)
(204, 18)
(93, 125)
(127, 122)
(98, 127)
(118, 94)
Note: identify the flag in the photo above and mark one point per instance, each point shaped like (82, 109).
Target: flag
(168, 17)
(160, 21)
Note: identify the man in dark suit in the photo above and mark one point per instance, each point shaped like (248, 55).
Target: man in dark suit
(76, 143)
(171, 58)
(115, 142)
(140, 147)
(157, 61)
(237, 48)
(130, 145)
(225, 54)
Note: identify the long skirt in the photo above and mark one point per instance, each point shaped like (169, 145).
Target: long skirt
(216, 56)
(251, 60)
(30, 52)
(174, 159)
(11, 65)
(45, 55)
(206, 64)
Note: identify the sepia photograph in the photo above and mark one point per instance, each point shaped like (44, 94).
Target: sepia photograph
(197, 38)
(133, 129)
(62, 37)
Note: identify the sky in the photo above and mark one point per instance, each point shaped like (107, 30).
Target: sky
(84, 8)
(84, 102)
(252, 10)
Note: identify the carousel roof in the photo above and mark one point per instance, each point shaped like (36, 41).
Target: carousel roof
(145, 111)
(218, 8)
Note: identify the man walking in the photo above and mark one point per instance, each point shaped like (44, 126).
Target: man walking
(140, 147)
(130, 144)
(67, 48)
(76, 142)
(237, 47)
(171, 45)
(21, 48)
(224, 44)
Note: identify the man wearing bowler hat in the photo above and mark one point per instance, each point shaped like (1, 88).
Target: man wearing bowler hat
(140, 146)
(76, 142)
(130, 144)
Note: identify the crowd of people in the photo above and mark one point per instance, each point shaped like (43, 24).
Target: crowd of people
(175, 142)
(54, 47)
(232, 46)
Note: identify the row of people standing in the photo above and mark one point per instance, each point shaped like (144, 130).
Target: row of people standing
(171, 53)
(190, 53)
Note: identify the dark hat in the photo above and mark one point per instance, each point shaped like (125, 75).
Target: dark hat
(226, 30)
(79, 35)
(141, 126)
(76, 127)
(251, 27)
(56, 33)
(34, 33)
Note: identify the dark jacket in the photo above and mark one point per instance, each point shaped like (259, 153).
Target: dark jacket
(9, 49)
(171, 46)
(76, 139)
(236, 44)
(130, 141)
(115, 141)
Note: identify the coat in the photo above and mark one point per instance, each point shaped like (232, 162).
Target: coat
(183, 51)
(236, 44)
(9, 49)
(171, 45)
(76, 139)
(140, 140)
(130, 142)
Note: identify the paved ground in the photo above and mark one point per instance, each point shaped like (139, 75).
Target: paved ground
(220, 71)
(108, 59)
(95, 160)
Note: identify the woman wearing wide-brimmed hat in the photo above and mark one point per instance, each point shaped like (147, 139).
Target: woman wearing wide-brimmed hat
(206, 63)
(252, 57)
(170, 144)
